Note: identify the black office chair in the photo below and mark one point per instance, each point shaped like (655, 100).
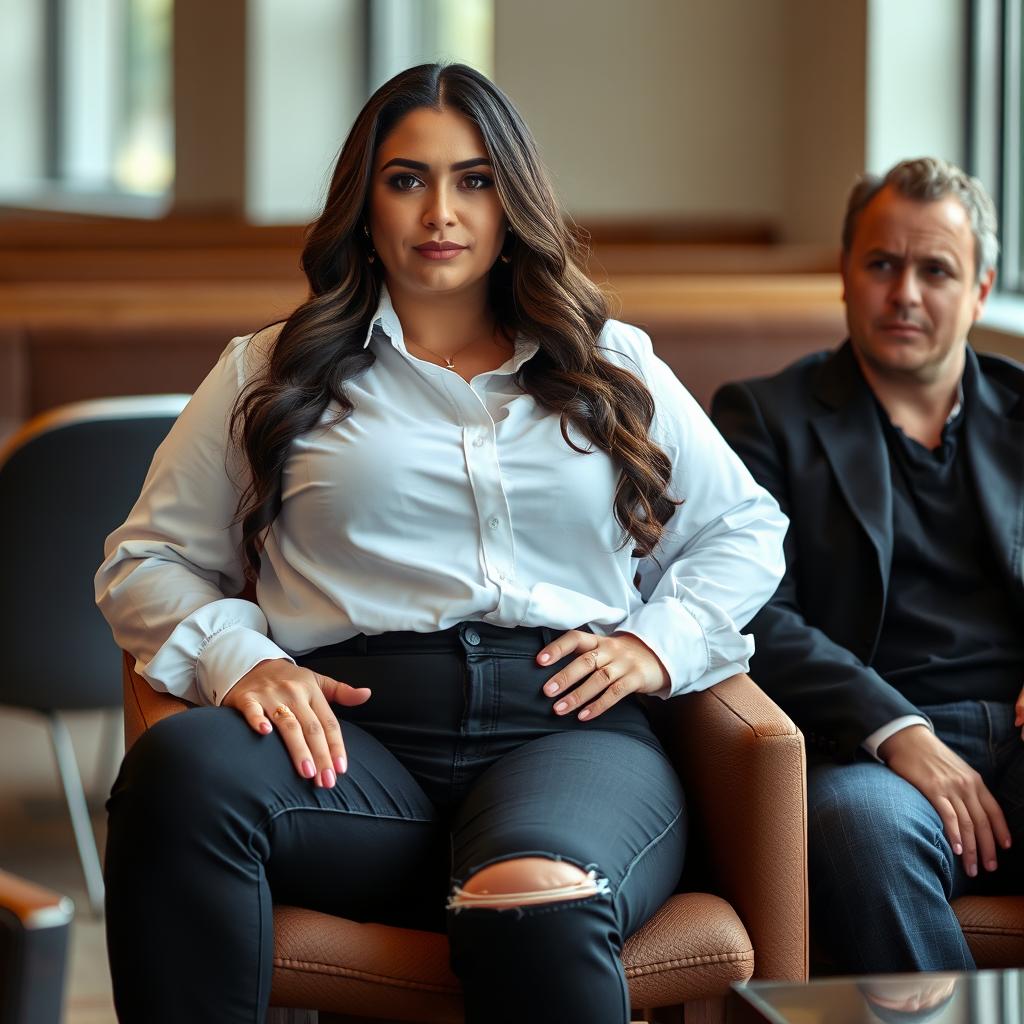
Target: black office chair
(34, 929)
(67, 479)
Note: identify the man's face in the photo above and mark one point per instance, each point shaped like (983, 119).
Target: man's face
(909, 286)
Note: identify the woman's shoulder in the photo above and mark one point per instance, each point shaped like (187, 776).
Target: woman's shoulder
(248, 354)
(626, 346)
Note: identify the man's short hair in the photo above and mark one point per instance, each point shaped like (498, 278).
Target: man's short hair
(928, 179)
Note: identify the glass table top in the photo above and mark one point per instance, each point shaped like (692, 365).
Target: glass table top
(980, 997)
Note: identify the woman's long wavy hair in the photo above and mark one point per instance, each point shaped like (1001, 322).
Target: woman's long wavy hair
(541, 292)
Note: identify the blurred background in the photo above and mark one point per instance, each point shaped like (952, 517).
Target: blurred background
(160, 158)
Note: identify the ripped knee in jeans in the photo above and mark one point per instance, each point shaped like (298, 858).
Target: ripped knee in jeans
(526, 881)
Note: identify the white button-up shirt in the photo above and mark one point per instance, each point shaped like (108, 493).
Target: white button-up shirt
(436, 501)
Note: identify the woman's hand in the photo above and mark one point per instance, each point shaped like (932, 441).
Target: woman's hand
(612, 666)
(1018, 715)
(295, 700)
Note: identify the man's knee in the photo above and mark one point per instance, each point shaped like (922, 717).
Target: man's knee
(871, 822)
(523, 881)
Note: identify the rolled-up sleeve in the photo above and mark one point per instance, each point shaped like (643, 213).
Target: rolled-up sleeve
(171, 571)
(721, 555)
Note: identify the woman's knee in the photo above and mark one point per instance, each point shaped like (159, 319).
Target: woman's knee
(183, 760)
(522, 881)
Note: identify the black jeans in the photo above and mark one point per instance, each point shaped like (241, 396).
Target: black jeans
(456, 762)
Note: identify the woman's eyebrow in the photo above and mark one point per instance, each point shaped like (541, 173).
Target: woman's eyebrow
(417, 165)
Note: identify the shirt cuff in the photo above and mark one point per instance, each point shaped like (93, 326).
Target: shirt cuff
(879, 736)
(695, 641)
(210, 650)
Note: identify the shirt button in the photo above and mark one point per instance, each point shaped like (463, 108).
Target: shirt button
(478, 441)
(472, 637)
(493, 522)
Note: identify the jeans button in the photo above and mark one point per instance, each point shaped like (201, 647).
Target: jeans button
(472, 637)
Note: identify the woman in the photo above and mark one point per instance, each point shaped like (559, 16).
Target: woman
(440, 466)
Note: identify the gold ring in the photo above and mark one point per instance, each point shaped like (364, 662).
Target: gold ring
(281, 710)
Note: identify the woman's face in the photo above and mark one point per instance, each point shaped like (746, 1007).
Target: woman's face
(435, 218)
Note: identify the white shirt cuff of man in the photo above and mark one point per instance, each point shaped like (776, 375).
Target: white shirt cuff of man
(879, 736)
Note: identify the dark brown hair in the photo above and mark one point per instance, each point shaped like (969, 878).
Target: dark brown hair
(541, 292)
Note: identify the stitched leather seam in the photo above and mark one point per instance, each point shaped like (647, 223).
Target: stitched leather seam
(314, 967)
(989, 929)
(689, 961)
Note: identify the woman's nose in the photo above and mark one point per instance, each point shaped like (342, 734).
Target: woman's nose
(440, 211)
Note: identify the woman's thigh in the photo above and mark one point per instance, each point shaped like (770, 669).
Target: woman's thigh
(602, 800)
(209, 792)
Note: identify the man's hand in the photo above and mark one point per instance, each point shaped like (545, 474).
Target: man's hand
(278, 694)
(973, 822)
(608, 668)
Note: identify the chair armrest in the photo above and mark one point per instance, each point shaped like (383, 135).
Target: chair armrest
(742, 763)
(34, 929)
(143, 706)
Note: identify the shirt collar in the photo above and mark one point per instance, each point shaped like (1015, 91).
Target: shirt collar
(959, 404)
(385, 319)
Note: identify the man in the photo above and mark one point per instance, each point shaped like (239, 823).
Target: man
(896, 639)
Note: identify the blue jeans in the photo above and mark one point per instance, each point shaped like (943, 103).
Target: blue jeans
(456, 762)
(882, 873)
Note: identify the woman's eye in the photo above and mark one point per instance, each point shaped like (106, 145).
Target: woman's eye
(474, 182)
(404, 182)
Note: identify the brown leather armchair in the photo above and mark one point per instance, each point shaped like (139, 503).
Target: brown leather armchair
(742, 764)
(994, 929)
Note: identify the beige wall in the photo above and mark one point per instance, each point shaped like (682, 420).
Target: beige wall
(652, 107)
(823, 146)
(731, 108)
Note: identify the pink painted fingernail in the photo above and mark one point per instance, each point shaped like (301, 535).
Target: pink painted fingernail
(341, 763)
(991, 865)
(544, 658)
(551, 689)
(972, 870)
(308, 769)
(957, 849)
(584, 714)
(264, 727)
(561, 706)
(329, 778)
(1006, 843)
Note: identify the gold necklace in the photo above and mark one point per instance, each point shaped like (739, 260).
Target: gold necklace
(449, 361)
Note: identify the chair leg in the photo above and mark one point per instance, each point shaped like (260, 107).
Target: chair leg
(71, 780)
(704, 1011)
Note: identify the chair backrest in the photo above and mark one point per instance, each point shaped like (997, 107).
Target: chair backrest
(34, 927)
(67, 479)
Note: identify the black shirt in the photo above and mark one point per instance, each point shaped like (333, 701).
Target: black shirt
(948, 631)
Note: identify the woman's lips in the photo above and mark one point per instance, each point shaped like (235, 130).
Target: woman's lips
(439, 250)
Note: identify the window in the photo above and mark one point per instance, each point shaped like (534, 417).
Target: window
(94, 127)
(996, 124)
(94, 118)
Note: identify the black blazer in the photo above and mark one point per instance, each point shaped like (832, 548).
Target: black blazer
(811, 435)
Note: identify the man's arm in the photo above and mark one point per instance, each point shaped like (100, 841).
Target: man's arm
(835, 698)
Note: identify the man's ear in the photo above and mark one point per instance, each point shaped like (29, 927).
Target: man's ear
(984, 290)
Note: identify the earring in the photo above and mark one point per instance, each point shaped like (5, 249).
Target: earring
(372, 254)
